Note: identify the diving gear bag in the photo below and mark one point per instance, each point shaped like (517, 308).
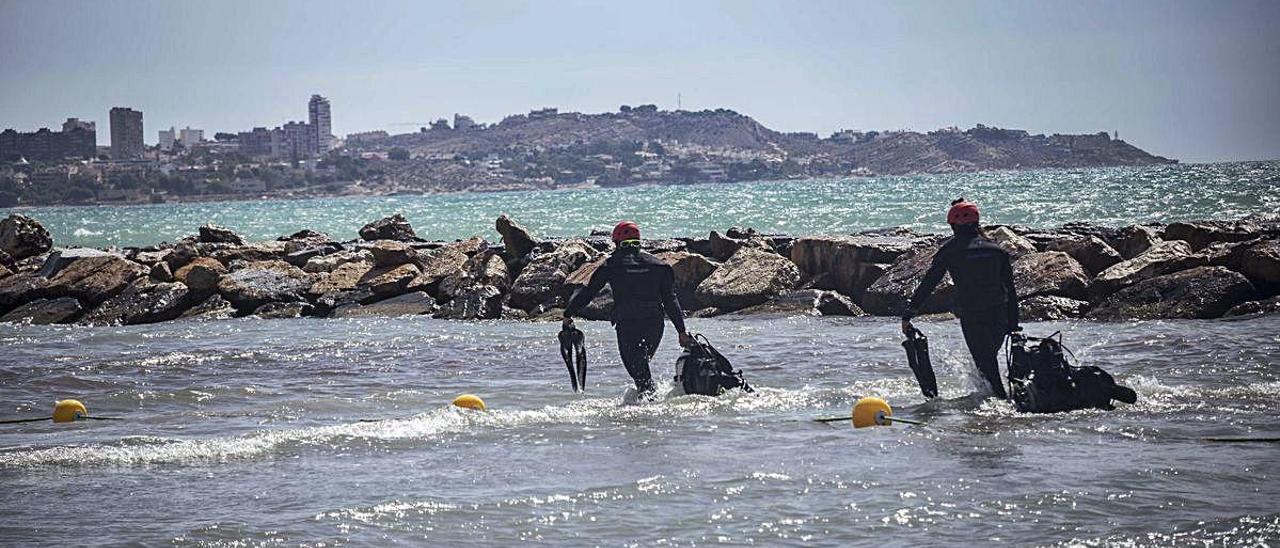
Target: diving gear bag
(1041, 380)
(701, 369)
(917, 346)
(574, 352)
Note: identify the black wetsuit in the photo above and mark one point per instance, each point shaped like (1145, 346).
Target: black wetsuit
(643, 291)
(986, 300)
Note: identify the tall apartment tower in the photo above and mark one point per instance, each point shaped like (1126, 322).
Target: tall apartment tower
(126, 134)
(321, 122)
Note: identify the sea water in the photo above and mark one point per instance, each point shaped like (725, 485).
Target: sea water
(339, 431)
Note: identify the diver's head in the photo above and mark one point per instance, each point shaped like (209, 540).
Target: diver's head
(625, 232)
(963, 216)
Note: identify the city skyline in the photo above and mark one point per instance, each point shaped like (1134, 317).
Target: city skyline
(1187, 80)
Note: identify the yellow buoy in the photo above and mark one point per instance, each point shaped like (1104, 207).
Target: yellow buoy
(469, 401)
(871, 411)
(69, 411)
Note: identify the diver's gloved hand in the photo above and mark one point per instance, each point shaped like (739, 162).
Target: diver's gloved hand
(567, 321)
(686, 340)
(907, 328)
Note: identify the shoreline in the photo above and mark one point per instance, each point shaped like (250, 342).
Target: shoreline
(1205, 269)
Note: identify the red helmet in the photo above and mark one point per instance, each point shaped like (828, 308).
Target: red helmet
(626, 230)
(962, 213)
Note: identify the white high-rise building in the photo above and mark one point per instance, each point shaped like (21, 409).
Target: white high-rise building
(167, 137)
(190, 137)
(321, 122)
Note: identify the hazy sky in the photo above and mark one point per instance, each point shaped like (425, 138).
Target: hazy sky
(1198, 81)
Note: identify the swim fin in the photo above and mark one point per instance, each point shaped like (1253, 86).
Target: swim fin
(917, 346)
(574, 352)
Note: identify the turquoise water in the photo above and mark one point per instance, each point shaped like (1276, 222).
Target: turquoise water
(1044, 198)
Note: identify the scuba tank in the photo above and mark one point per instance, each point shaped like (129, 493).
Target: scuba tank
(1041, 380)
(917, 346)
(574, 352)
(701, 369)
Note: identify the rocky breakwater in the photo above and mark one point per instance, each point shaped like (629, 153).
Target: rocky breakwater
(1182, 270)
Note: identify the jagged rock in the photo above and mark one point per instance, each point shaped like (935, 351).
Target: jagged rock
(1163, 258)
(95, 279)
(46, 312)
(148, 258)
(395, 227)
(328, 263)
(1255, 308)
(1201, 292)
(214, 234)
(389, 281)
(724, 246)
(449, 260)
(4, 271)
(180, 255)
(847, 264)
(61, 258)
(666, 245)
(1134, 240)
(262, 282)
(751, 276)
(390, 253)
(142, 302)
(160, 272)
(214, 307)
(1200, 234)
(252, 253)
(481, 302)
(690, 270)
(888, 295)
(282, 310)
(1049, 273)
(344, 278)
(1228, 254)
(22, 288)
(542, 279)
(1092, 253)
(308, 239)
(1261, 262)
(300, 256)
(482, 269)
(201, 274)
(306, 234)
(22, 237)
(1043, 308)
(805, 302)
(335, 299)
(515, 239)
(1011, 241)
(409, 304)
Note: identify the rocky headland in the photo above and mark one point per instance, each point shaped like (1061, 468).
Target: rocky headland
(1206, 269)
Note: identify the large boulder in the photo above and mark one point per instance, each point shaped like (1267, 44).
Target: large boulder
(180, 255)
(450, 259)
(22, 237)
(723, 246)
(690, 270)
(1092, 253)
(395, 227)
(1049, 273)
(214, 234)
(142, 302)
(1255, 308)
(327, 263)
(1134, 240)
(1016, 244)
(22, 288)
(61, 258)
(1261, 263)
(751, 276)
(344, 278)
(213, 308)
(543, 278)
(804, 302)
(46, 312)
(888, 295)
(1042, 308)
(1162, 258)
(482, 269)
(848, 264)
(516, 241)
(1201, 292)
(389, 281)
(1201, 234)
(391, 253)
(480, 302)
(201, 274)
(93, 280)
(282, 310)
(251, 253)
(259, 283)
(409, 304)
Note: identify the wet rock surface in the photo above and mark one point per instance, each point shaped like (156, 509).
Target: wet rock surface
(750, 277)
(46, 311)
(395, 227)
(1201, 292)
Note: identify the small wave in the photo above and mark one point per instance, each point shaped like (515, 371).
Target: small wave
(84, 233)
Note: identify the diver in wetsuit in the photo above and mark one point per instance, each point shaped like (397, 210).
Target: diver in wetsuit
(643, 291)
(986, 300)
